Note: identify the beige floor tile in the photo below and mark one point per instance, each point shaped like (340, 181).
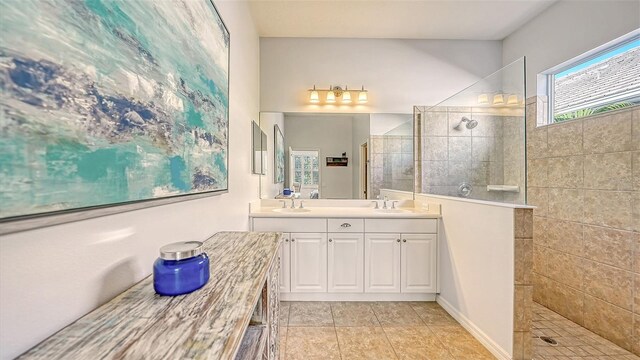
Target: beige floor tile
(284, 313)
(311, 343)
(460, 343)
(416, 342)
(353, 314)
(310, 314)
(432, 313)
(396, 314)
(364, 343)
(283, 341)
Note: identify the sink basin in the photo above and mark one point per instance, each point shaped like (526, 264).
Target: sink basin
(391, 211)
(289, 210)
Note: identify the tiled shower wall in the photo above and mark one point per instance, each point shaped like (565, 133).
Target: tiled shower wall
(391, 164)
(584, 178)
(489, 154)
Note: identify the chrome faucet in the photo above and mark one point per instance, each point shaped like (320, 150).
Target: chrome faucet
(376, 205)
(284, 204)
(301, 207)
(384, 204)
(393, 204)
(293, 203)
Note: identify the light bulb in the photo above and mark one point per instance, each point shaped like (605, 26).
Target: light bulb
(362, 96)
(346, 97)
(483, 99)
(498, 99)
(313, 96)
(331, 97)
(512, 99)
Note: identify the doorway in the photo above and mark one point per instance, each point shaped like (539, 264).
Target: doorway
(364, 171)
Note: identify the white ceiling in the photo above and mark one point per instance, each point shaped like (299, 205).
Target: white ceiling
(396, 19)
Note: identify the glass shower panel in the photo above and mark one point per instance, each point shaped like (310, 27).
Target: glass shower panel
(472, 144)
(392, 160)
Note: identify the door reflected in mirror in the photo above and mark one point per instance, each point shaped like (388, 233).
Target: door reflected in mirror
(339, 156)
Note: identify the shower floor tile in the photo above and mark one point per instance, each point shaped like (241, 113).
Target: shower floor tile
(572, 341)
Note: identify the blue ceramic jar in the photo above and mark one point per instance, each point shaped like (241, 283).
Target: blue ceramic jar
(182, 267)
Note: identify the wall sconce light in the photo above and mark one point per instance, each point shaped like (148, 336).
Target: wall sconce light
(498, 99)
(362, 96)
(331, 96)
(314, 98)
(512, 99)
(335, 92)
(483, 99)
(346, 96)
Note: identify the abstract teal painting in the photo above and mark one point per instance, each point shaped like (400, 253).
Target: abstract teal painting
(107, 102)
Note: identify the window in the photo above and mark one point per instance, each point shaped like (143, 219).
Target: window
(605, 80)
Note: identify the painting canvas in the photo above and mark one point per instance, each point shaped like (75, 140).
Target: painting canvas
(108, 102)
(278, 157)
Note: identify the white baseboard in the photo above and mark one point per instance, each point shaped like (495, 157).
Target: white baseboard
(355, 297)
(494, 348)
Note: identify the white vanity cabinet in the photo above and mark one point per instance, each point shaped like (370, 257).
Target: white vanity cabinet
(285, 263)
(416, 274)
(346, 262)
(308, 262)
(382, 263)
(355, 258)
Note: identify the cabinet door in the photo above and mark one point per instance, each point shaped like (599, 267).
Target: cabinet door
(418, 261)
(346, 262)
(308, 262)
(382, 263)
(285, 263)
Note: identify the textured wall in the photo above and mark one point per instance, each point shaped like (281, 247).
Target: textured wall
(584, 177)
(489, 154)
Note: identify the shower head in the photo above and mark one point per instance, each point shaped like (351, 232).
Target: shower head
(470, 123)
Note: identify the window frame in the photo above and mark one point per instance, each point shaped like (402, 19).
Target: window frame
(550, 75)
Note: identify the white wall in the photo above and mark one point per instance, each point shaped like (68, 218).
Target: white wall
(52, 276)
(398, 73)
(381, 124)
(268, 121)
(332, 135)
(476, 266)
(567, 29)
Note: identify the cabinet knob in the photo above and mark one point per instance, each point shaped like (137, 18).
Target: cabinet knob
(346, 225)
(330, 240)
(398, 240)
(293, 240)
(404, 240)
(286, 240)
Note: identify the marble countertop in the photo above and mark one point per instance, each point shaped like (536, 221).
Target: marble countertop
(206, 324)
(344, 212)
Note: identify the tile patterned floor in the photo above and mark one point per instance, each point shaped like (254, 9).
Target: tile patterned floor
(374, 330)
(573, 341)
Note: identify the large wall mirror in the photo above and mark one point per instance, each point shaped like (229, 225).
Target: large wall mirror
(339, 156)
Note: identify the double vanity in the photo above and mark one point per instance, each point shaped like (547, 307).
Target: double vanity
(349, 250)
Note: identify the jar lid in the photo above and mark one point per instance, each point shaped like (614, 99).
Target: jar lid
(181, 250)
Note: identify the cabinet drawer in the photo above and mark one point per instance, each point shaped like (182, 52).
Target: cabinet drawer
(289, 225)
(346, 225)
(405, 226)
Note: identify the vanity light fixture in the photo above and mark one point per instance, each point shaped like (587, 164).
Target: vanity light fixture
(336, 92)
(362, 96)
(331, 96)
(498, 99)
(483, 99)
(512, 99)
(314, 98)
(346, 96)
